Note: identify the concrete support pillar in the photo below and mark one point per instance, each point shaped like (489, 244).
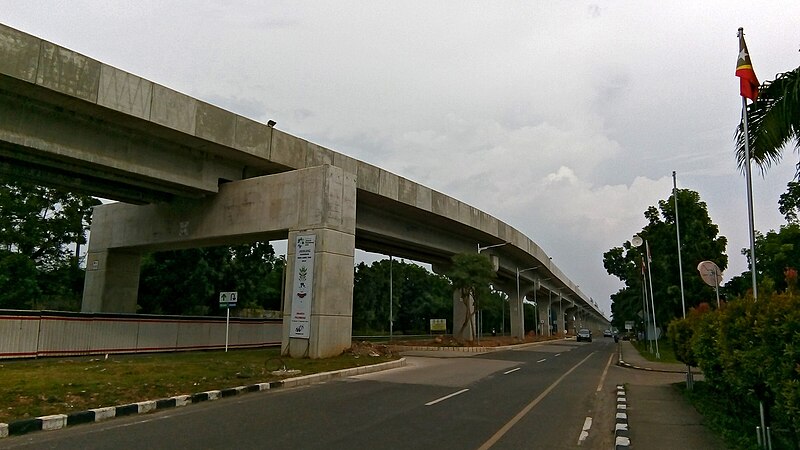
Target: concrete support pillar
(516, 310)
(542, 308)
(461, 313)
(111, 282)
(331, 303)
(560, 307)
(318, 201)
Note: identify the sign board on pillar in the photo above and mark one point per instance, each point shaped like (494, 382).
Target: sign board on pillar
(302, 284)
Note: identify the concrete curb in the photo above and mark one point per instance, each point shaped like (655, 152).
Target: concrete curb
(621, 433)
(622, 363)
(58, 421)
(412, 348)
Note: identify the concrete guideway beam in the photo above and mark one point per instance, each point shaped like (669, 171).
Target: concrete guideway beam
(319, 201)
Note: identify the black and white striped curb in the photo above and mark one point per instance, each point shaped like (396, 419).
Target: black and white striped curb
(58, 421)
(621, 437)
(623, 363)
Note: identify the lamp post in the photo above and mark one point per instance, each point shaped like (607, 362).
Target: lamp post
(637, 242)
(519, 300)
(480, 249)
(391, 297)
(536, 315)
(477, 313)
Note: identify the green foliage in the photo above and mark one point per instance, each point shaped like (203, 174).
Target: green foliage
(777, 252)
(188, 282)
(39, 227)
(749, 351)
(773, 120)
(19, 285)
(418, 296)
(789, 202)
(471, 274)
(700, 241)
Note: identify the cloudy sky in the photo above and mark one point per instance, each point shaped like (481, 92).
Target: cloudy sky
(564, 119)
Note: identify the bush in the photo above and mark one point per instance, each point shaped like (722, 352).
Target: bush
(749, 351)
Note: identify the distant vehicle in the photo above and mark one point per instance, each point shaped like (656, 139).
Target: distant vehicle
(607, 333)
(584, 335)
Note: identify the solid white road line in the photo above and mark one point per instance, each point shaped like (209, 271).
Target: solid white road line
(504, 429)
(446, 397)
(511, 371)
(587, 424)
(605, 371)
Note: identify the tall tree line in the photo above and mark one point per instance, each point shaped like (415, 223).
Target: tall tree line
(41, 231)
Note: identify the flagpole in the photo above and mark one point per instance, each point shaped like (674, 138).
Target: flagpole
(678, 234)
(749, 199)
(749, 192)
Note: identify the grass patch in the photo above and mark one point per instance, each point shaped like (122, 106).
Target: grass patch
(664, 349)
(32, 388)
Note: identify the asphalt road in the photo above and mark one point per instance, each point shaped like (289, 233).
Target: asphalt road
(549, 396)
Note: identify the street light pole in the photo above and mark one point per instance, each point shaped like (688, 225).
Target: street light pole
(652, 300)
(480, 249)
(391, 297)
(519, 299)
(477, 313)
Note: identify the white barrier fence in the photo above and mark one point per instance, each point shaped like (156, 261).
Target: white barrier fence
(31, 334)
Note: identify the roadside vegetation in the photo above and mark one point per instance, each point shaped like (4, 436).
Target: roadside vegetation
(749, 353)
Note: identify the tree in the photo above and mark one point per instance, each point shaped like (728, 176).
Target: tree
(773, 121)
(418, 295)
(699, 241)
(470, 274)
(789, 202)
(39, 227)
(188, 282)
(777, 252)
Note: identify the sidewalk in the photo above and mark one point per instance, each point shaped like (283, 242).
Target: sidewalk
(658, 415)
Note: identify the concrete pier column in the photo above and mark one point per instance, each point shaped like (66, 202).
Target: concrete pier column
(542, 308)
(517, 309)
(111, 283)
(560, 307)
(324, 327)
(460, 314)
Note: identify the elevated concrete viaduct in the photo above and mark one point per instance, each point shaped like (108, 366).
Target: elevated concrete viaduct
(190, 174)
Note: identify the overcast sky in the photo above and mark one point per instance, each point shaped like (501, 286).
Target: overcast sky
(563, 119)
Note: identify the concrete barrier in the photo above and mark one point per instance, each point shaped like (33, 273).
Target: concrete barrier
(31, 334)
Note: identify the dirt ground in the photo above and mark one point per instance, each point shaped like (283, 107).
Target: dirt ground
(366, 348)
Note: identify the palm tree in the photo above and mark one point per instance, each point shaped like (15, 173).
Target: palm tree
(773, 121)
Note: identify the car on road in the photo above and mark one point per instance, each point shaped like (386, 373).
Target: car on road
(607, 333)
(584, 334)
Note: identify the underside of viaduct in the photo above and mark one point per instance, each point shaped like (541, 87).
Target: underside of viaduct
(190, 174)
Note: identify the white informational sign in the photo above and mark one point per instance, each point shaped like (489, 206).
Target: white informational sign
(302, 284)
(228, 299)
(629, 325)
(438, 324)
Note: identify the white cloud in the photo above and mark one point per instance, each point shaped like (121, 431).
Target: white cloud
(564, 120)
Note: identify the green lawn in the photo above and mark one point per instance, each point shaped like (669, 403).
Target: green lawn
(664, 350)
(31, 388)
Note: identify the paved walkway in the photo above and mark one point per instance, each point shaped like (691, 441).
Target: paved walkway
(658, 415)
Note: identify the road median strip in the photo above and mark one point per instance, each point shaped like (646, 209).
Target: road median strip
(59, 421)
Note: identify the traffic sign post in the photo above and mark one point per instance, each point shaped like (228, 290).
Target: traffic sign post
(227, 300)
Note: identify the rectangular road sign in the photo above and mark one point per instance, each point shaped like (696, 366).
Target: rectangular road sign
(228, 299)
